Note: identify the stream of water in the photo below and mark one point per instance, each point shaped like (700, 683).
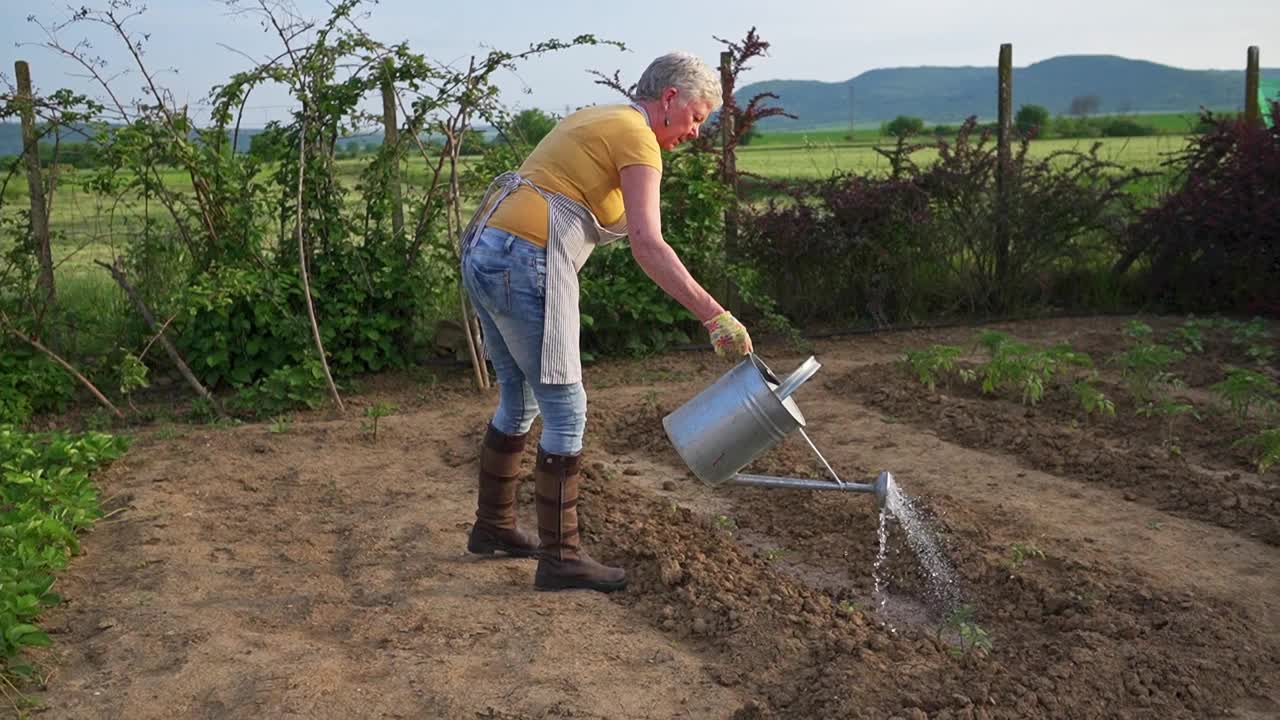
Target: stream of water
(942, 592)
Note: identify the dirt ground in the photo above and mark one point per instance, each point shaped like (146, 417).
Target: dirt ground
(315, 573)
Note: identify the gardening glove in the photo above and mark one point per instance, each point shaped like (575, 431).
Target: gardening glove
(728, 336)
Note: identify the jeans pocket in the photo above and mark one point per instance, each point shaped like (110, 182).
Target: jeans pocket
(491, 287)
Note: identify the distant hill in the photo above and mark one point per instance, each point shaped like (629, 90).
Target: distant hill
(950, 94)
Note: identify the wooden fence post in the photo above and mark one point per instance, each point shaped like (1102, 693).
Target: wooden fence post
(1251, 110)
(31, 152)
(1004, 135)
(391, 138)
(729, 163)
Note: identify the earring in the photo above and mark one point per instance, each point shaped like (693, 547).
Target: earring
(666, 121)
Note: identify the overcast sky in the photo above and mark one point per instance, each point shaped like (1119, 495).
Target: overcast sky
(829, 40)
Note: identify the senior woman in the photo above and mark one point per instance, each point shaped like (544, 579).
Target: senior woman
(593, 179)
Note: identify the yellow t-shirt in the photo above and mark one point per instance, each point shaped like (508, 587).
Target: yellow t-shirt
(580, 159)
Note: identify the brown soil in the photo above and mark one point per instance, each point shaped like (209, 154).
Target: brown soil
(317, 574)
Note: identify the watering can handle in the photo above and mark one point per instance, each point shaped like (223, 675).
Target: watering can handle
(797, 378)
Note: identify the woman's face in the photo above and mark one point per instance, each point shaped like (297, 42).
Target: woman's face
(686, 116)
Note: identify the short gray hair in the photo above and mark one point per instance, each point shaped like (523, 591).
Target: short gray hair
(681, 70)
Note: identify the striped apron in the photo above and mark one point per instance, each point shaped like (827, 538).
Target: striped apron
(572, 233)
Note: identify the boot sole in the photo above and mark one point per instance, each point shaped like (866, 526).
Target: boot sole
(555, 584)
(484, 548)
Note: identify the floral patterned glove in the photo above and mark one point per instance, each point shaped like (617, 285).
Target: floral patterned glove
(728, 335)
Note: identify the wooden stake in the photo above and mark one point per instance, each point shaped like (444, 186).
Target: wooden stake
(31, 153)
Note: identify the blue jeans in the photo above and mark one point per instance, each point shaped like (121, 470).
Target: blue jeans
(506, 279)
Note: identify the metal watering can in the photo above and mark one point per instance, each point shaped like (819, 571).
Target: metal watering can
(740, 416)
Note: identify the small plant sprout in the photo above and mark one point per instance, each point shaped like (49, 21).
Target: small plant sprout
(1137, 330)
(932, 363)
(279, 425)
(1188, 337)
(1092, 399)
(133, 375)
(1246, 389)
(1145, 369)
(1267, 443)
(373, 413)
(726, 523)
(970, 636)
(773, 554)
(992, 340)
(1019, 553)
(848, 607)
(1169, 410)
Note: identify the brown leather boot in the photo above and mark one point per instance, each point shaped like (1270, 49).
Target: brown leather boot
(563, 564)
(495, 528)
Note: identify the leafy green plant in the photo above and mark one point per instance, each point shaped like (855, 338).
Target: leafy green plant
(1092, 399)
(1144, 368)
(1138, 330)
(279, 425)
(30, 383)
(992, 340)
(726, 523)
(1019, 553)
(283, 389)
(1267, 443)
(1247, 389)
(1188, 337)
(46, 499)
(1028, 371)
(372, 414)
(970, 636)
(1169, 410)
(932, 363)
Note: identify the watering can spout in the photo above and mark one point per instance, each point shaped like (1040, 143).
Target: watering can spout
(881, 488)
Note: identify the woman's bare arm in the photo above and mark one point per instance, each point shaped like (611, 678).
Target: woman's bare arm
(640, 189)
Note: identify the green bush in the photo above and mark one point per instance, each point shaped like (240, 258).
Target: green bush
(30, 383)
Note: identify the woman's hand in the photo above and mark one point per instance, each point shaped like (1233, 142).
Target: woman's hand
(728, 336)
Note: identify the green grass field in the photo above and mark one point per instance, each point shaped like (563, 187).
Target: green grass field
(818, 159)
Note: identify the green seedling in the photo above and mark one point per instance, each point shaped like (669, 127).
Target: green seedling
(1188, 337)
(1093, 400)
(1019, 553)
(1144, 368)
(1137, 330)
(726, 523)
(932, 363)
(992, 340)
(774, 554)
(279, 425)
(133, 374)
(1267, 443)
(1246, 389)
(971, 637)
(1026, 370)
(1154, 524)
(848, 607)
(372, 414)
(1169, 411)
